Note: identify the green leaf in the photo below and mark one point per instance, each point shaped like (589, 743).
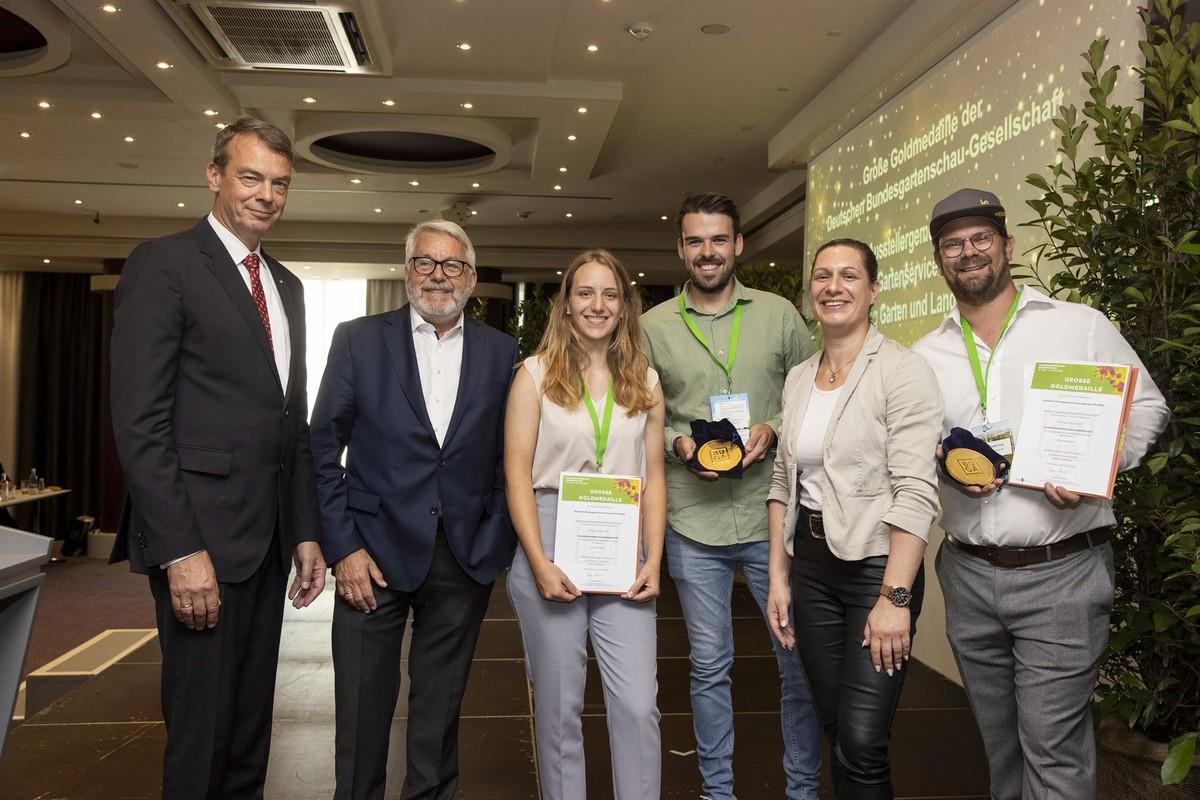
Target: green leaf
(1179, 759)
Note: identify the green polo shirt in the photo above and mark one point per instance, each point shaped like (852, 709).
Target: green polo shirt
(773, 340)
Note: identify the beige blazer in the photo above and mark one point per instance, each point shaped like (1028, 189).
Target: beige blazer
(880, 470)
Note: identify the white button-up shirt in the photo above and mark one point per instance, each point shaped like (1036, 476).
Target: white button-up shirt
(1043, 329)
(439, 362)
(281, 339)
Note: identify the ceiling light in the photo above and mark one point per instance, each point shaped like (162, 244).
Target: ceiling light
(467, 106)
(475, 185)
(569, 215)
(164, 65)
(389, 103)
(571, 137)
(633, 283)
(771, 264)
(474, 212)
(356, 181)
(379, 211)
(558, 272)
(44, 104)
(562, 169)
(96, 115)
(557, 188)
(306, 266)
(78, 202)
(109, 8)
(582, 109)
(464, 46)
(715, 29)
(179, 205)
(24, 134)
(641, 274)
(391, 269)
(309, 100)
(130, 140)
(663, 217)
(211, 112)
(220, 126)
(591, 48)
(45, 261)
(414, 183)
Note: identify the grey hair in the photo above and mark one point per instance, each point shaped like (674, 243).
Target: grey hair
(268, 134)
(451, 229)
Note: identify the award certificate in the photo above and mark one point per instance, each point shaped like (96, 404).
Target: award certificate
(1072, 426)
(597, 539)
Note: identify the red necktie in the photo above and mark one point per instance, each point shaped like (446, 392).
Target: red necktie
(256, 291)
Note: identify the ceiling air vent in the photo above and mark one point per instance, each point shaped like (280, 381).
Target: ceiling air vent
(300, 35)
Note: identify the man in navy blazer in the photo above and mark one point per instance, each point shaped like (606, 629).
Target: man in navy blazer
(416, 520)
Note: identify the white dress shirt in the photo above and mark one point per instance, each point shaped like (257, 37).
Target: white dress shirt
(439, 362)
(281, 339)
(1043, 329)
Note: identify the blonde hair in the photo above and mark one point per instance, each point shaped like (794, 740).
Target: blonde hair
(562, 353)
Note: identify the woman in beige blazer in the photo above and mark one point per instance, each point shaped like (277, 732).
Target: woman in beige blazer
(849, 512)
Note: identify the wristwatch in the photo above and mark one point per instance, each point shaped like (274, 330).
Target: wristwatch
(899, 596)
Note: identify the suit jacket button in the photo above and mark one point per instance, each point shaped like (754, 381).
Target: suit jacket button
(281, 466)
(441, 462)
(433, 509)
(286, 412)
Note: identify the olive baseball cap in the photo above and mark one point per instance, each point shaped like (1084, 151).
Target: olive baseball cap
(967, 203)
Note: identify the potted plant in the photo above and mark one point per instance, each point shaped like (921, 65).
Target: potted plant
(1121, 216)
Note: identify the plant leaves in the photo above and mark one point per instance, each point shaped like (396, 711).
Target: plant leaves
(1179, 759)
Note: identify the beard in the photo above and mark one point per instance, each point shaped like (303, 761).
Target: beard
(710, 283)
(977, 288)
(439, 308)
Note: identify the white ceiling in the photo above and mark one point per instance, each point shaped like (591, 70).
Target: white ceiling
(682, 111)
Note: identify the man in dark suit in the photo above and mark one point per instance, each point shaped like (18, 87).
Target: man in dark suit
(417, 520)
(208, 397)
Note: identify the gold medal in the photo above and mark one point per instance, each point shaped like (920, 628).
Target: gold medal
(719, 455)
(970, 467)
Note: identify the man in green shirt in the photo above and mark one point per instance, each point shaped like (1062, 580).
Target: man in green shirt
(711, 345)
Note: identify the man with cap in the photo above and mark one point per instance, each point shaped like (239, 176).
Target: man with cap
(1027, 574)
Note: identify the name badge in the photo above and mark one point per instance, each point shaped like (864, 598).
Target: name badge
(999, 436)
(735, 408)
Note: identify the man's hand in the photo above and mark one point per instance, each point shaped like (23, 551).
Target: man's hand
(310, 574)
(973, 491)
(1060, 497)
(354, 574)
(762, 438)
(685, 448)
(194, 595)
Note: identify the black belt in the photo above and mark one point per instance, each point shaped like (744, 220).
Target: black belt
(1010, 557)
(811, 522)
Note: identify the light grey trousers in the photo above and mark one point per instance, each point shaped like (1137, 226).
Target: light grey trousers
(625, 642)
(1028, 643)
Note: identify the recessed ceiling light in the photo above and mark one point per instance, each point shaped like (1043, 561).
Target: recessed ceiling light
(771, 264)
(391, 269)
(356, 181)
(641, 274)
(414, 183)
(220, 126)
(475, 185)
(96, 115)
(309, 100)
(633, 283)
(164, 65)
(109, 8)
(562, 169)
(591, 48)
(715, 29)
(130, 140)
(568, 215)
(663, 217)
(557, 188)
(78, 202)
(474, 213)
(24, 134)
(582, 109)
(211, 112)
(44, 104)
(571, 137)
(306, 266)
(467, 106)
(379, 211)
(180, 205)
(45, 261)
(389, 103)
(558, 272)
(464, 46)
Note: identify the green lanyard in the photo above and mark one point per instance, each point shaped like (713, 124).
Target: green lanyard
(734, 334)
(981, 375)
(600, 429)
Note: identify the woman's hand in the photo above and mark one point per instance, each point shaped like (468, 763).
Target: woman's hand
(779, 609)
(887, 634)
(645, 586)
(553, 583)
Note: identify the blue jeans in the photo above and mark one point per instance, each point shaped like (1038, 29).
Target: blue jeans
(703, 574)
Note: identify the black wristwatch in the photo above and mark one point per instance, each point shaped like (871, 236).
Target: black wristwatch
(899, 596)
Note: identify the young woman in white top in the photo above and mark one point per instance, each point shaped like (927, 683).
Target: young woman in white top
(852, 500)
(591, 345)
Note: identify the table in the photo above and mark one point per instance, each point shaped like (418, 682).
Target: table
(23, 496)
(21, 558)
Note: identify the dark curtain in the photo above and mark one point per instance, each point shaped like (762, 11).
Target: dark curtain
(59, 411)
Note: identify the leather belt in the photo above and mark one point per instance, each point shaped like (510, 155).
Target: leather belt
(1010, 557)
(812, 522)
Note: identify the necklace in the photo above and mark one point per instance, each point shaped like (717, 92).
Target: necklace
(833, 371)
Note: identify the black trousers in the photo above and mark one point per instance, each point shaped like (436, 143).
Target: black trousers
(831, 599)
(447, 609)
(218, 687)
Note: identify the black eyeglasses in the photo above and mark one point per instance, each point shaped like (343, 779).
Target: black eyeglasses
(451, 267)
(952, 248)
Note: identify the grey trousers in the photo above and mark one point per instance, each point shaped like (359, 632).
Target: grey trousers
(624, 639)
(1028, 643)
